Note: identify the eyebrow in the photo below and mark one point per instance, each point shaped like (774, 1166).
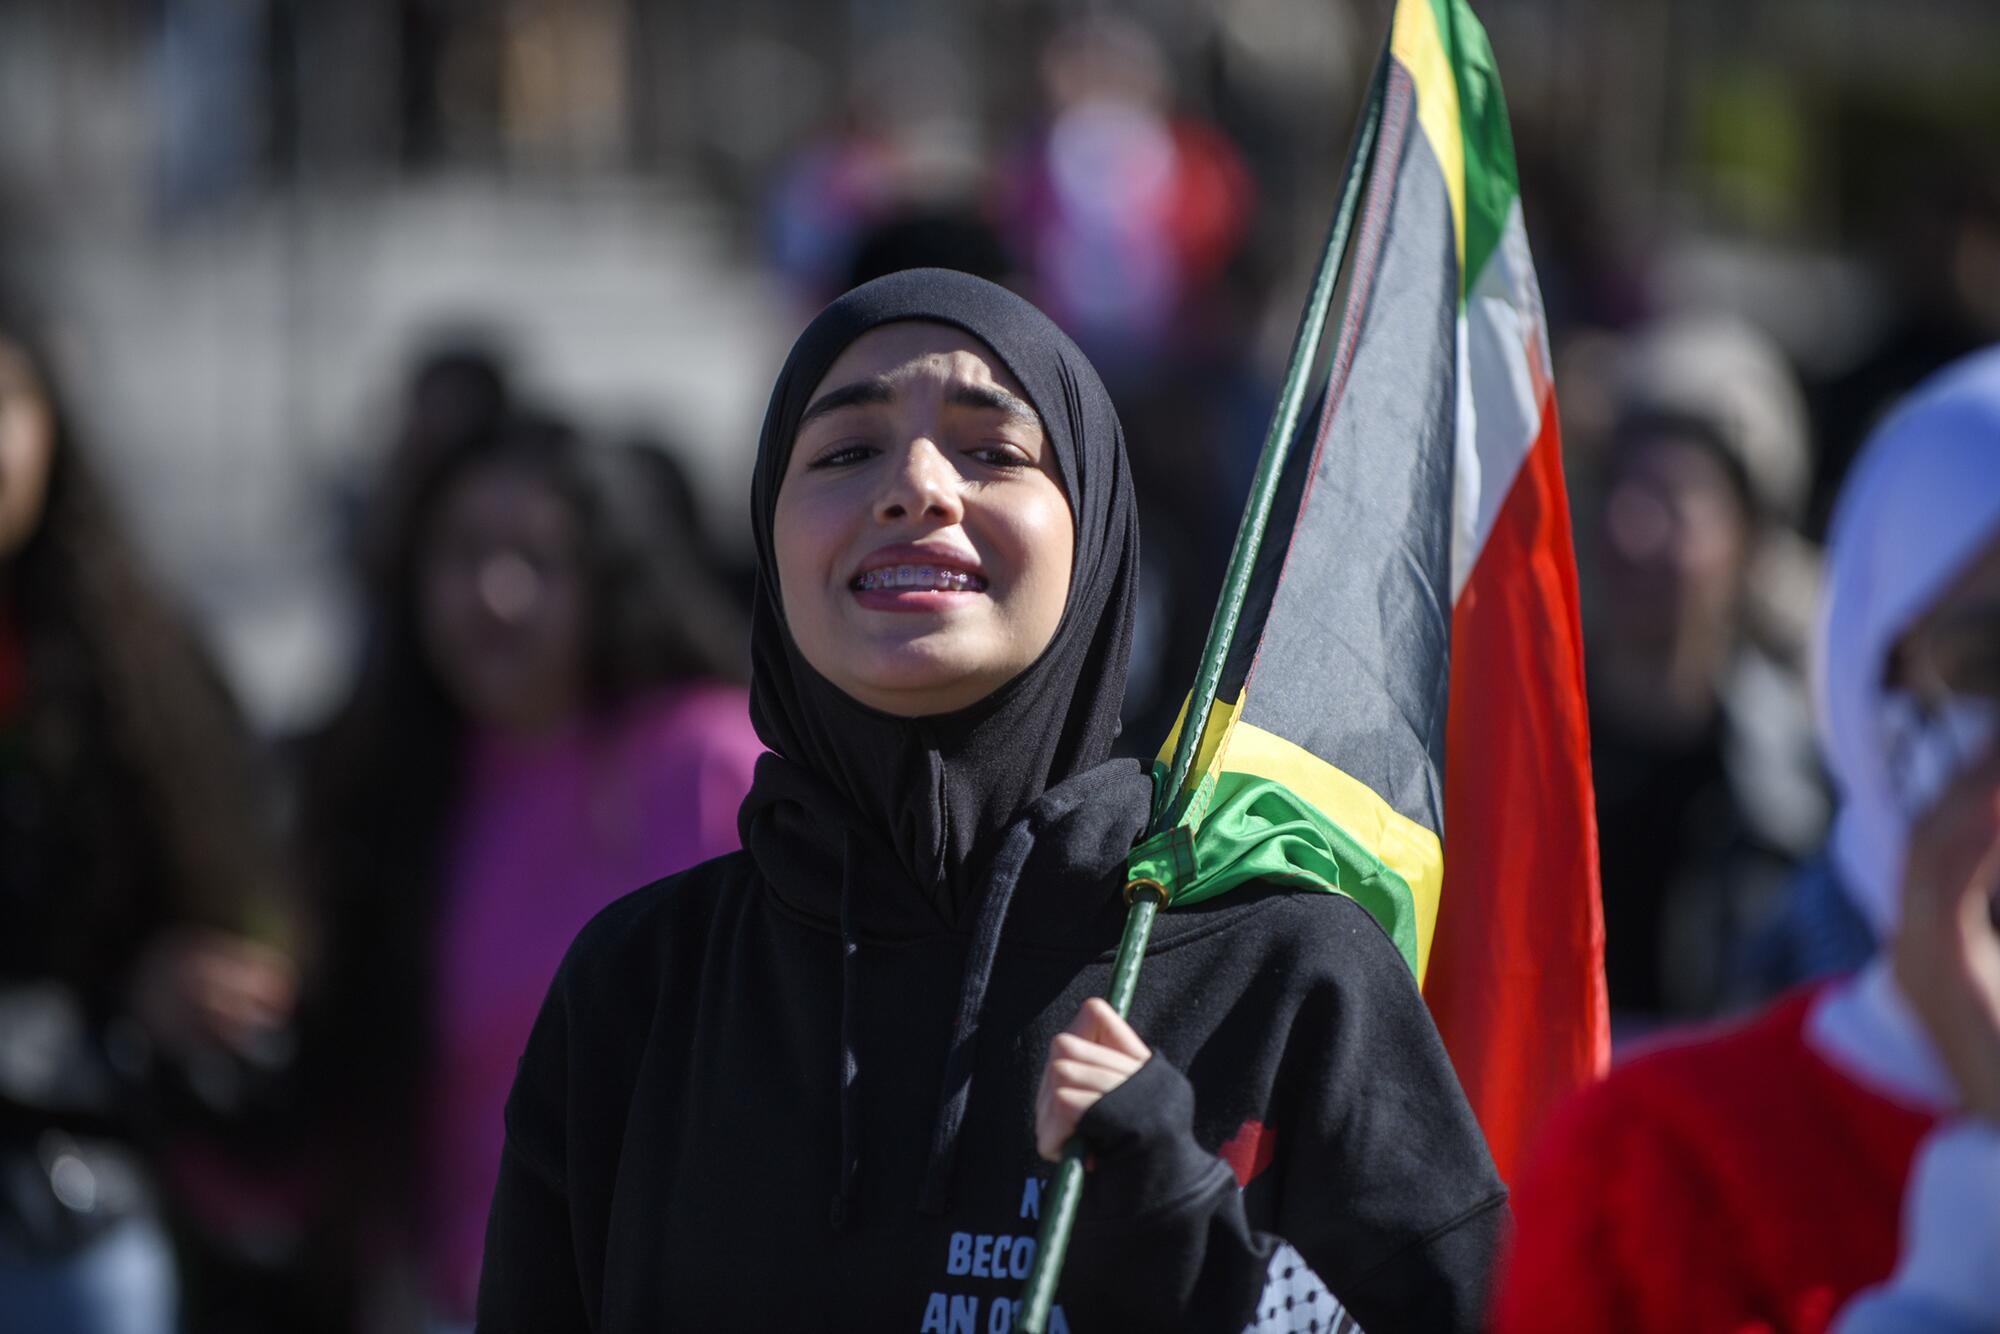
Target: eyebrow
(995, 399)
(879, 389)
(860, 393)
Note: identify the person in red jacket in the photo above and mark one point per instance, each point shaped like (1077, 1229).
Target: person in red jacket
(1765, 1175)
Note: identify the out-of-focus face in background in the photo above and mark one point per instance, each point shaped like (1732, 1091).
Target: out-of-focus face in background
(501, 599)
(1674, 536)
(1948, 662)
(27, 447)
(1953, 650)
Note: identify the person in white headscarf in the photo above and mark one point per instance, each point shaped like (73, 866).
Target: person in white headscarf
(1909, 696)
(1758, 1172)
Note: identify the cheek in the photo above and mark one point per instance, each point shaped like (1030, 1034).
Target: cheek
(1637, 527)
(1041, 540)
(1713, 544)
(807, 539)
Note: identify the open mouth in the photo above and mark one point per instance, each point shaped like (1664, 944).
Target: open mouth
(920, 578)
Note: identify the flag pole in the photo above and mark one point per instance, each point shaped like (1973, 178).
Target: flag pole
(1145, 898)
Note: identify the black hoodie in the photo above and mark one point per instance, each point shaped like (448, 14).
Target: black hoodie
(793, 1088)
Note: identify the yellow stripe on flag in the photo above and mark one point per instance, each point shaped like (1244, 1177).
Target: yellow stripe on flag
(1404, 846)
(1221, 722)
(1398, 842)
(1414, 41)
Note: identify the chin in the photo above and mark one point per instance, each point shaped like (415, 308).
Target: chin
(915, 685)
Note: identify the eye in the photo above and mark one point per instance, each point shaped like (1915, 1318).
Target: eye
(1000, 455)
(842, 456)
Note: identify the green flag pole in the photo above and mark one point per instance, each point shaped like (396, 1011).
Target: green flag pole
(1144, 899)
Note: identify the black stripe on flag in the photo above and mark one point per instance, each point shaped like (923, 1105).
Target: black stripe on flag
(1351, 661)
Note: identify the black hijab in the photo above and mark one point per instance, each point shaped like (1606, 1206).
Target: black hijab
(937, 792)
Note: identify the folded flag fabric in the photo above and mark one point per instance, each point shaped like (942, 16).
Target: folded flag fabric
(1400, 714)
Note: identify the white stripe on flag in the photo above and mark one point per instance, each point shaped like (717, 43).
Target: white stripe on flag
(1503, 368)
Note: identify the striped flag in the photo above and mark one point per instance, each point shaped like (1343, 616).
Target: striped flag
(1400, 714)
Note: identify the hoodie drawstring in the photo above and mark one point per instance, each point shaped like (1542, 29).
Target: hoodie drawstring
(957, 1088)
(850, 1160)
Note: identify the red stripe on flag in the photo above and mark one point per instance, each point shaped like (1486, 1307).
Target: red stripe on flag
(1516, 977)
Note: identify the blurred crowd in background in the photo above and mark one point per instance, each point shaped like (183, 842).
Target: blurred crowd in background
(378, 384)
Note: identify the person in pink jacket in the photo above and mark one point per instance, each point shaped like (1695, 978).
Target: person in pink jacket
(545, 720)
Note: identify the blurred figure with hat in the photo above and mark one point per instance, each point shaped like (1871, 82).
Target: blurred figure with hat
(1707, 787)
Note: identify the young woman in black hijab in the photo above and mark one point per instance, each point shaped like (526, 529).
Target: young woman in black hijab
(802, 1086)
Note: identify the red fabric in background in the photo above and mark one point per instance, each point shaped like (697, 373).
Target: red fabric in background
(1516, 975)
(1735, 1182)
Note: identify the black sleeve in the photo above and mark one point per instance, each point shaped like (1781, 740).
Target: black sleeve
(528, 1281)
(1386, 1186)
(1161, 1241)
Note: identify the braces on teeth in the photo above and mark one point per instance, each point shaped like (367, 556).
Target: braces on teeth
(920, 576)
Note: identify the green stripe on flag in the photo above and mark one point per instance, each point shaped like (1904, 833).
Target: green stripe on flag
(1465, 119)
(1491, 181)
(1268, 809)
(1259, 829)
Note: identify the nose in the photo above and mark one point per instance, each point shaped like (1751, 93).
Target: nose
(922, 484)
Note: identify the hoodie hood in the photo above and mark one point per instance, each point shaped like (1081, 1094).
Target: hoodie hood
(1921, 501)
(883, 826)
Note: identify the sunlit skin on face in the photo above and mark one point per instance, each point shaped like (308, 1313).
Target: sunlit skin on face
(500, 590)
(919, 453)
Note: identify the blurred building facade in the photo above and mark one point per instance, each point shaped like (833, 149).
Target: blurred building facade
(244, 222)
(247, 210)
